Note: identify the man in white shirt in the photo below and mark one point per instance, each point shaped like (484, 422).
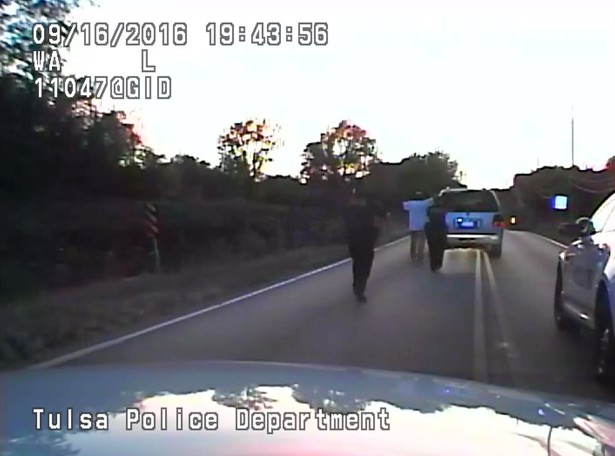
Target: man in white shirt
(417, 218)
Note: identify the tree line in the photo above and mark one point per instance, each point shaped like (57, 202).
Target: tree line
(531, 195)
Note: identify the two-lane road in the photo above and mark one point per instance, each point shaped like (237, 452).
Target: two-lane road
(479, 318)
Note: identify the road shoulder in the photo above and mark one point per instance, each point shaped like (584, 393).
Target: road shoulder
(95, 314)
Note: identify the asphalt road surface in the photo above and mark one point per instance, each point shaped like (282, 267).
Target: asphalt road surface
(484, 319)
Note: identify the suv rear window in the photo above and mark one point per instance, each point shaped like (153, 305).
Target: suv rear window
(470, 201)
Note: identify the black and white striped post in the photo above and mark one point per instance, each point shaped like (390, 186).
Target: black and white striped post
(152, 230)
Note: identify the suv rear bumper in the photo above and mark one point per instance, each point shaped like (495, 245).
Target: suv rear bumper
(473, 240)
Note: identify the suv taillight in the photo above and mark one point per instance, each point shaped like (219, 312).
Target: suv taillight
(498, 221)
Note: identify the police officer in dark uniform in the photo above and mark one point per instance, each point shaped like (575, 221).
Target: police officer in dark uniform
(436, 231)
(363, 220)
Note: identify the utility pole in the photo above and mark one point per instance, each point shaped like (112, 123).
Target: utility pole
(572, 137)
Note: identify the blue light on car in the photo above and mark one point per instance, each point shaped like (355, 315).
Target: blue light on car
(559, 202)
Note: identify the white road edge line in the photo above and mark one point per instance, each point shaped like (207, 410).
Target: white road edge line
(498, 303)
(480, 358)
(118, 340)
(552, 241)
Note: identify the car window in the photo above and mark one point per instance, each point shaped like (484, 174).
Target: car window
(603, 215)
(470, 201)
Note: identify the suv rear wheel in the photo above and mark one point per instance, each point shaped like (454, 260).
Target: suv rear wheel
(604, 341)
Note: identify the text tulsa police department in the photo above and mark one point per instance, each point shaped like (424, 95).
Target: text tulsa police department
(245, 419)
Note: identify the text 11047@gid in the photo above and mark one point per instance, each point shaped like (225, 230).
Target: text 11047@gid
(98, 87)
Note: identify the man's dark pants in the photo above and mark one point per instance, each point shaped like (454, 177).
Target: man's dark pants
(436, 239)
(362, 254)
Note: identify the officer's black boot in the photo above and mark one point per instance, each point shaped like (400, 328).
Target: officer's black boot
(433, 261)
(359, 290)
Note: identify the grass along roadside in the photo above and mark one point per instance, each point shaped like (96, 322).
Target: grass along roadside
(61, 322)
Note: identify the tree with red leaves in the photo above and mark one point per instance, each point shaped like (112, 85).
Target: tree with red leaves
(343, 153)
(245, 148)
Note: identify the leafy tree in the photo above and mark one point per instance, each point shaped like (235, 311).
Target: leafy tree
(17, 18)
(245, 148)
(428, 173)
(287, 191)
(343, 152)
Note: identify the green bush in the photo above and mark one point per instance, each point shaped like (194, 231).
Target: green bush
(63, 244)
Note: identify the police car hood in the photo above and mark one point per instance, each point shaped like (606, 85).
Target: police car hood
(196, 408)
